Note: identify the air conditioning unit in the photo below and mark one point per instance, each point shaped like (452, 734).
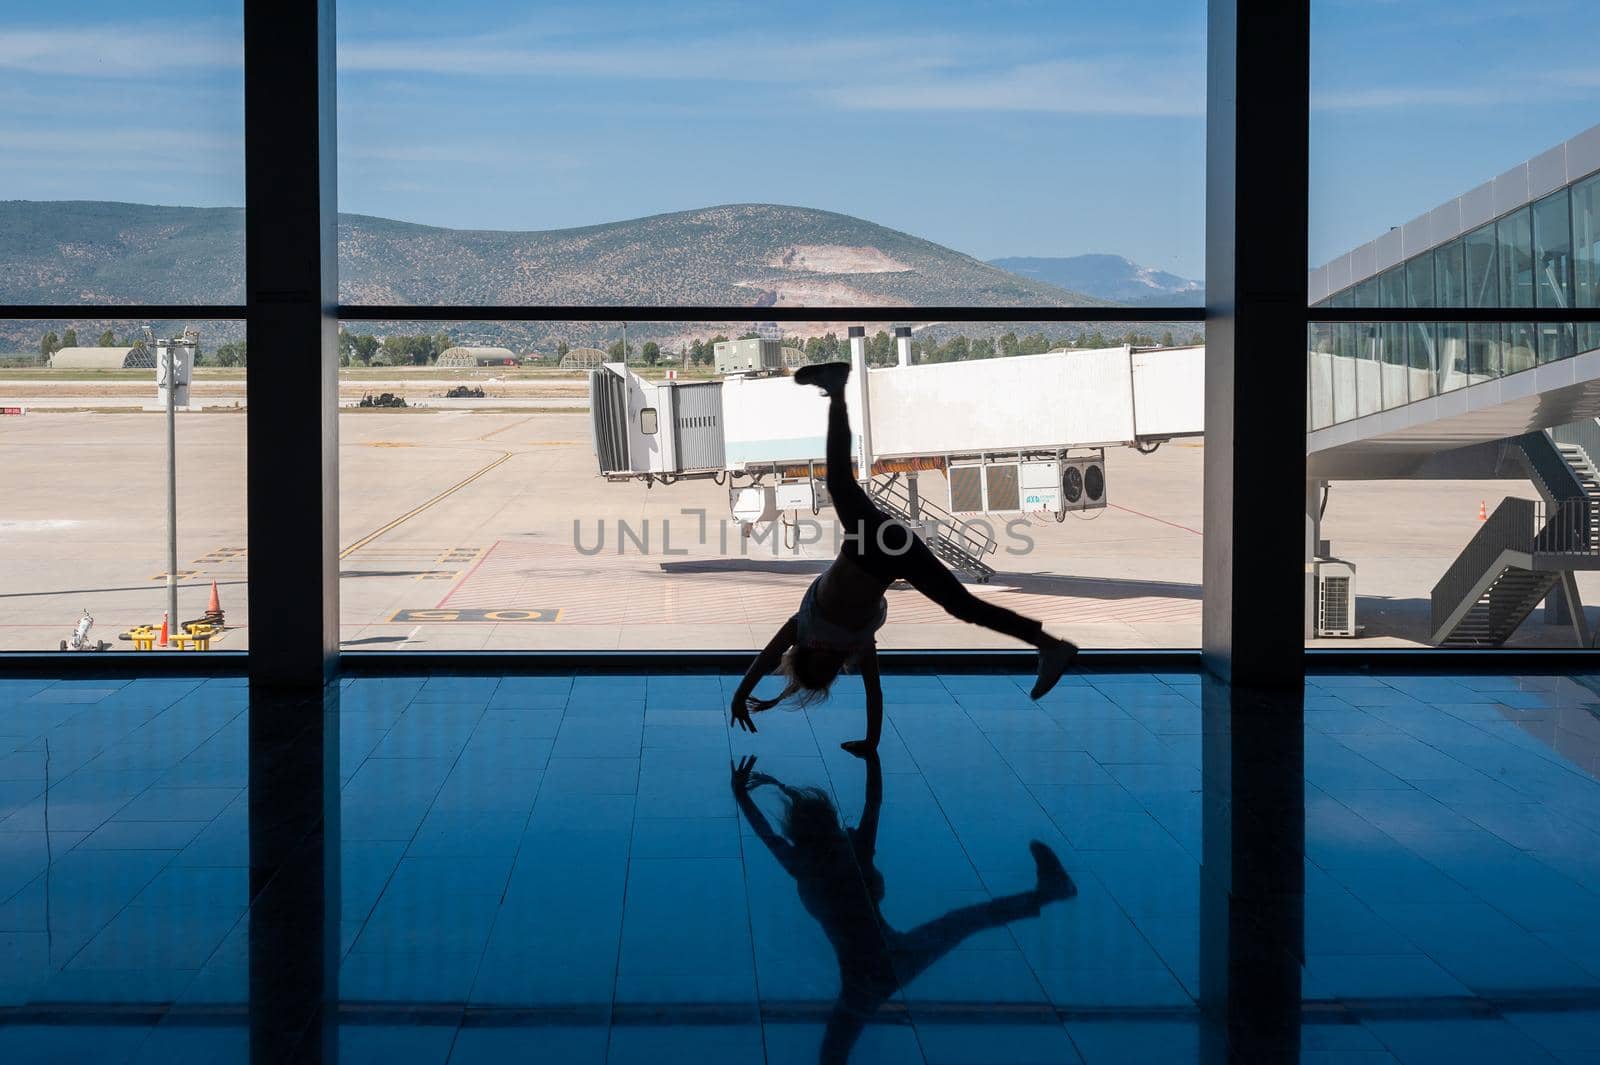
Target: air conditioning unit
(752, 504)
(1083, 483)
(753, 355)
(1336, 597)
(809, 496)
(985, 487)
(1041, 488)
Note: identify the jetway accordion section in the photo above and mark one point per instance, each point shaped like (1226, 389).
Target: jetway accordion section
(1028, 402)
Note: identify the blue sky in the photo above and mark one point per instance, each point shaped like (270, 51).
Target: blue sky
(1009, 127)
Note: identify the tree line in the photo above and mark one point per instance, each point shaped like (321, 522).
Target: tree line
(232, 354)
(424, 349)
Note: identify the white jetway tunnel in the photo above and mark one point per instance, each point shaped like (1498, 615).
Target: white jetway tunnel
(1011, 423)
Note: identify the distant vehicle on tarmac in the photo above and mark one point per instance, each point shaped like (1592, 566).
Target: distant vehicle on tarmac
(79, 640)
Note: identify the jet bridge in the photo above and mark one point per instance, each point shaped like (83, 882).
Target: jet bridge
(921, 416)
(1023, 435)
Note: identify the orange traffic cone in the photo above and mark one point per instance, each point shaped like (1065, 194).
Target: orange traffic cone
(1483, 511)
(163, 639)
(215, 606)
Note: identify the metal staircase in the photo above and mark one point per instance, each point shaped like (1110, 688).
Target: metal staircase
(1577, 444)
(1524, 551)
(955, 542)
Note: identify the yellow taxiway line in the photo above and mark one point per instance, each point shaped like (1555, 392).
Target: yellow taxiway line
(408, 515)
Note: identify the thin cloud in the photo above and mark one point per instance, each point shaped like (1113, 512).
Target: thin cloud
(727, 58)
(126, 51)
(1069, 86)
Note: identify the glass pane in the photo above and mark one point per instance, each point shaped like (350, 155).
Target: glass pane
(1483, 351)
(1514, 240)
(1396, 387)
(1450, 273)
(1586, 256)
(1320, 338)
(122, 136)
(1423, 351)
(1482, 290)
(528, 506)
(1344, 373)
(83, 477)
(1419, 282)
(1555, 341)
(787, 153)
(1366, 293)
(1552, 244)
(1392, 288)
(1453, 356)
(1369, 357)
(1520, 346)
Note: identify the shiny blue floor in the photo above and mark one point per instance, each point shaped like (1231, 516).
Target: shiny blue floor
(571, 869)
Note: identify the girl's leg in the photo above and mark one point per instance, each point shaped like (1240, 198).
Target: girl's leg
(850, 501)
(918, 565)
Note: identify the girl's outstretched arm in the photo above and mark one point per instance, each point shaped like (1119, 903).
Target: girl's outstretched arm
(871, 681)
(765, 663)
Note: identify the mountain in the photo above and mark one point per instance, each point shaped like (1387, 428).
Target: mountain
(751, 255)
(1110, 277)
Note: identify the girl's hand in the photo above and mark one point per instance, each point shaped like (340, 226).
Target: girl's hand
(741, 714)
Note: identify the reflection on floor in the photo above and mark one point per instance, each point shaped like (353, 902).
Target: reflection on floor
(594, 869)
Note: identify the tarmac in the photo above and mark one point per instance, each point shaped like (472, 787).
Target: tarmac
(465, 529)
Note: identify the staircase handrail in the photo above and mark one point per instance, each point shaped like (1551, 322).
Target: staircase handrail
(947, 525)
(1584, 434)
(1555, 479)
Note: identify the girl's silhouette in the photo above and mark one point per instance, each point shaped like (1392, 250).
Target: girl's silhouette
(839, 884)
(843, 609)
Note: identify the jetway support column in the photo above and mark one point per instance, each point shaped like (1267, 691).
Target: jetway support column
(863, 397)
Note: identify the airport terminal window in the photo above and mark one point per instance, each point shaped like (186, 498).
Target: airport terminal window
(1552, 240)
(1519, 348)
(84, 487)
(123, 180)
(1450, 269)
(1515, 246)
(668, 155)
(1586, 256)
(1483, 351)
(1555, 341)
(1482, 289)
(1421, 336)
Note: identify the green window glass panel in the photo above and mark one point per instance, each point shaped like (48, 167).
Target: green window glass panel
(1552, 251)
(1344, 298)
(1369, 364)
(1392, 288)
(1483, 289)
(1367, 293)
(1518, 346)
(1483, 351)
(1588, 337)
(1452, 354)
(1586, 248)
(1395, 373)
(1555, 341)
(1514, 240)
(1450, 275)
(1419, 282)
(1422, 347)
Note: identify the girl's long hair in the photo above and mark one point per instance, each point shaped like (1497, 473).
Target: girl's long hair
(810, 673)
